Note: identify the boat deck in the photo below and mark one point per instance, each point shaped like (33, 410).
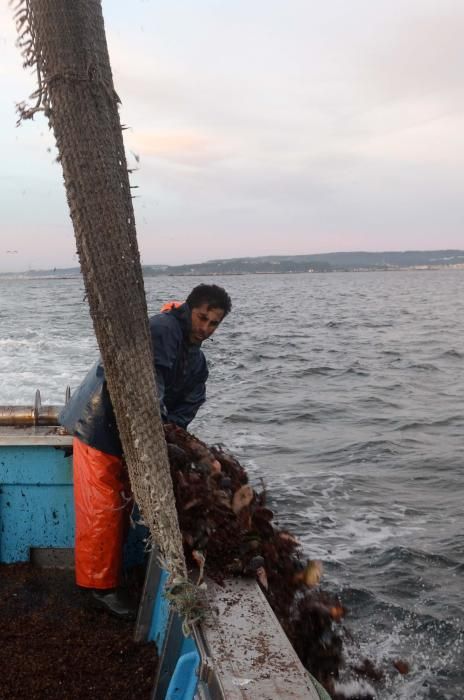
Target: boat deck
(252, 655)
(32, 435)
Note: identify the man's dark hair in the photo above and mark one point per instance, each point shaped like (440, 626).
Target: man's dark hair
(216, 298)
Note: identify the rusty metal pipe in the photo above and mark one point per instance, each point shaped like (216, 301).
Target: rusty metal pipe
(31, 415)
(26, 415)
(17, 415)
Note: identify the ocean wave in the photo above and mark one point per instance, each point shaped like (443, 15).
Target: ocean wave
(425, 366)
(404, 554)
(309, 371)
(358, 466)
(357, 371)
(455, 354)
(433, 650)
(374, 324)
(427, 424)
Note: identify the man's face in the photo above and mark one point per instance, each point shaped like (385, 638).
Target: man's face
(204, 323)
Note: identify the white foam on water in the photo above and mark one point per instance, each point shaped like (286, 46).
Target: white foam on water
(428, 658)
(354, 688)
(335, 531)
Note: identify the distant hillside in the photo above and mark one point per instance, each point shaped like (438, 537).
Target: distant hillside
(271, 264)
(323, 262)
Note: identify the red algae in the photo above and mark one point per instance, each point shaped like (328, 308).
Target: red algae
(55, 644)
(228, 530)
(222, 517)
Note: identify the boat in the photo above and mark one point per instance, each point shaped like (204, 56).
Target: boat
(239, 652)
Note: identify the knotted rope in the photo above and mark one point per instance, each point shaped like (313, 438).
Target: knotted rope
(66, 43)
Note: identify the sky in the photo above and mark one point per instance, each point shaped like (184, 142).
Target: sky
(259, 127)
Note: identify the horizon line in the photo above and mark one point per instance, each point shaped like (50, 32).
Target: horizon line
(252, 257)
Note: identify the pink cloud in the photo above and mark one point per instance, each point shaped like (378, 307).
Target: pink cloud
(183, 146)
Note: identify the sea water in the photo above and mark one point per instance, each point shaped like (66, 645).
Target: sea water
(344, 392)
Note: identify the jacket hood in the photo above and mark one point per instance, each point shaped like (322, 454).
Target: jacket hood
(183, 315)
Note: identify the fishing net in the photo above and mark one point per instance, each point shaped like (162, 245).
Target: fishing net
(66, 43)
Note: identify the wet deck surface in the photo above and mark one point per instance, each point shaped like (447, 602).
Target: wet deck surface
(251, 653)
(55, 644)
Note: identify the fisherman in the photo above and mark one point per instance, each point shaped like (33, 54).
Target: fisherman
(102, 493)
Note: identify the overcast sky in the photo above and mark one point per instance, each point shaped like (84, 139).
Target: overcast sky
(262, 127)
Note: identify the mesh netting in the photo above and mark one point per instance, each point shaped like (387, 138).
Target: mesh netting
(66, 42)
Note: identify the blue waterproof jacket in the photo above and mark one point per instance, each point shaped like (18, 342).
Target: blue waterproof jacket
(181, 374)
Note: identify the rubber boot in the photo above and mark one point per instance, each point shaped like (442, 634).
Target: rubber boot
(116, 601)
